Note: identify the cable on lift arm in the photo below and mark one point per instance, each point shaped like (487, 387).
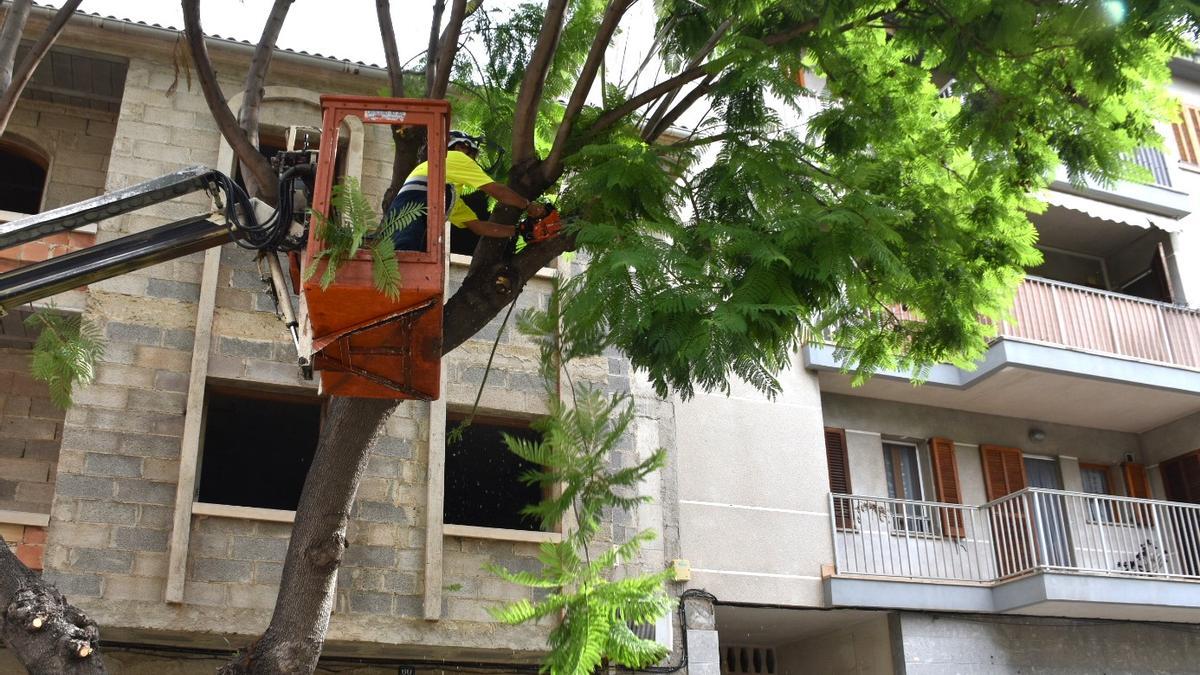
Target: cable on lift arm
(239, 211)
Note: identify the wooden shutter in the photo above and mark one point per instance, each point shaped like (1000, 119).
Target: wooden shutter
(1136, 484)
(945, 483)
(837, 458)
(1187, 134)
(1004, 473)
(1003, 470)
(1181, 478)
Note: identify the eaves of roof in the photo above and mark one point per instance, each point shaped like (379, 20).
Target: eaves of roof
(170, 32)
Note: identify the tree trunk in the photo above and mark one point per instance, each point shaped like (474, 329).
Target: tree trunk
(15, 85)
(293, 641)
(46, 634)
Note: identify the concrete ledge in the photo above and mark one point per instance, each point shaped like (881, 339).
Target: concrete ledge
(24, 518)
(499, 534)
(1066, 594)
(243, 512)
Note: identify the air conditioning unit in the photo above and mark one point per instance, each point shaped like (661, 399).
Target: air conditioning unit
(661, 631)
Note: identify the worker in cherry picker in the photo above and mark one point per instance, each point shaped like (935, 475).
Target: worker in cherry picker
(462, 172)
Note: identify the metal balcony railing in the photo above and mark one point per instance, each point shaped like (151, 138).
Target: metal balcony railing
(1033, 530)
(1084, 318)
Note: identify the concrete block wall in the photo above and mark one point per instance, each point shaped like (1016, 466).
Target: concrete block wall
(112, 515)
(30, 436)
(936, 644)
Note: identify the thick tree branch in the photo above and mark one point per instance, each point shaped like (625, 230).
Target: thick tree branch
(383, 8)
(525, 116)
(701, 54)
(583, 85)
(439, 6)
(253, 91)
(10, 37)
(47, 634)
(23, 73)
(447, 48)
(490, 288)
(245, 151)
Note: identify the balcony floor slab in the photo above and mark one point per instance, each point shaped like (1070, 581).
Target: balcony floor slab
(1041, 594)
(1036, 381)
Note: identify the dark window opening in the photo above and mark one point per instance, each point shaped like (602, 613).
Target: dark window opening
(483, 484)
(22, 179)
(257, 447)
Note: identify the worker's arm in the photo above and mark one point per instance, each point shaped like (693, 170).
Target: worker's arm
(486, 228)
(506, 195)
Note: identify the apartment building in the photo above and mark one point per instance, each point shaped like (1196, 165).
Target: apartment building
(1035, 514)
(1032, 514)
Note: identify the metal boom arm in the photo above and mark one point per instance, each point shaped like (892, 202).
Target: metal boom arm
(118, 256)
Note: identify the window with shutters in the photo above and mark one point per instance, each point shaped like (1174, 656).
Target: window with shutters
(1004, 474)
(838, 461)
(1187, 135)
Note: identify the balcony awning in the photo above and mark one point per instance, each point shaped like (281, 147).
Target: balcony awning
(1110, 212)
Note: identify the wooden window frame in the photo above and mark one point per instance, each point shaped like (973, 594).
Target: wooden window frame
(843, 517)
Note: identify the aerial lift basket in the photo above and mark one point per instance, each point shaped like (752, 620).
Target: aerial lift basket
(364, 343)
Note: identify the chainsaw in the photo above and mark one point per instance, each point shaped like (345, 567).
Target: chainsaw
(537, 230)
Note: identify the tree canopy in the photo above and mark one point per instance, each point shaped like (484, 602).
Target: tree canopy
(882, 200)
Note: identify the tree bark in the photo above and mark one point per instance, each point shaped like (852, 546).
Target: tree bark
(292, 643)
(10, 37)
(447, 47)
(16, 85)
(439, 6)
(583, 85)
(47, 634)
(245, 151)
(530, 96)
(253, 91)
(383, 9)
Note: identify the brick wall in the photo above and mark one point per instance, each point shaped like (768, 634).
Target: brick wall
(30, 434)
(28, 542)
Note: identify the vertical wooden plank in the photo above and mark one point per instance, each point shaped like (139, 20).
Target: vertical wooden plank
(190, 449)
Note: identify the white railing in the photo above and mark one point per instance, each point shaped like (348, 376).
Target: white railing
(1028, 531)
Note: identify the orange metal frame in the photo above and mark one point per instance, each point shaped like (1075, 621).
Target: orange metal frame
(364, 343)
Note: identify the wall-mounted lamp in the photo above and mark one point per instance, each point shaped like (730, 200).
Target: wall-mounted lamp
(1037, 435)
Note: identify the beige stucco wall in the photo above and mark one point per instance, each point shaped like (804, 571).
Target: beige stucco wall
(869, 421)
(753, 512)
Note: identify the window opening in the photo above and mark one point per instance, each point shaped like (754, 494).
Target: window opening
(902, 471)
(256, 447)
(483, 484)
(1095, 480)
(22, 179)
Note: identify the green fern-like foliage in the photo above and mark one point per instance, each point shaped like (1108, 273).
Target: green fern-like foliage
(65, 353)
(354, 224)
(578, 441)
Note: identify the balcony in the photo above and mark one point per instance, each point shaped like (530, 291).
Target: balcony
(1071, 354)
(1077, 317)
(1035, 551)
